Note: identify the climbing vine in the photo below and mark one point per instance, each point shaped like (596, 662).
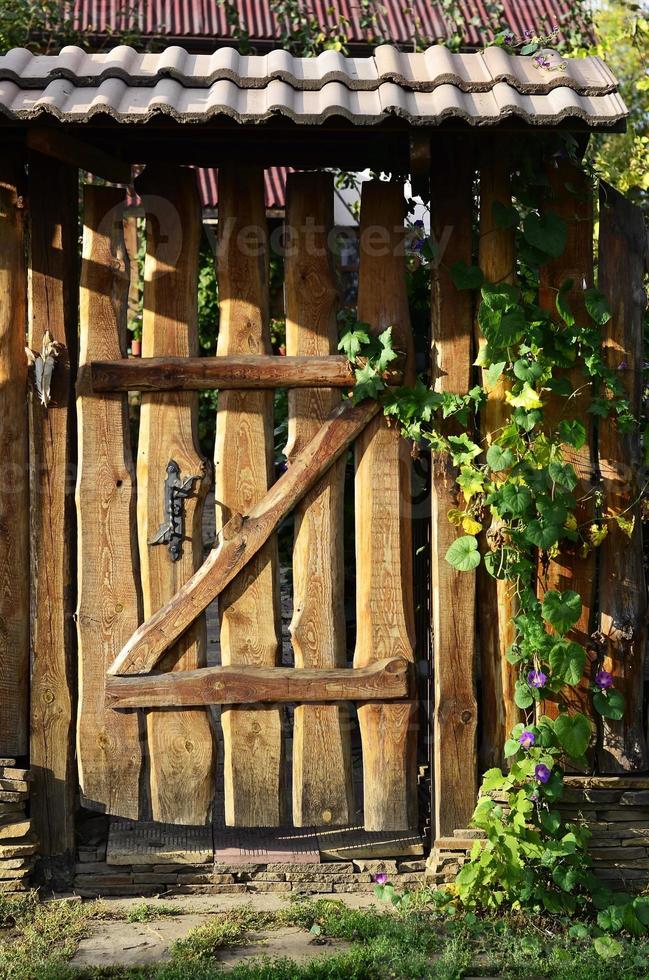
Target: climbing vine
(521, 494)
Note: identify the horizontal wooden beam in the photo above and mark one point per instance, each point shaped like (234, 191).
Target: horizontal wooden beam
(242, 537)
(69, 149)
(204, 373)
(382, 680)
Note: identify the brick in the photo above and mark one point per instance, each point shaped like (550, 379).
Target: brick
(614, 853)
(9, 887)
(14, 785)
(312, 888)
(6, 875)
(10, 772)
(625, 813)
(15, 829)
(257, 887)
(207, 889)
(103, 880)
(406, 866)
(635, 799)
(350, 888)
(414, 878)
(4, 761)
(12, 849)
(309, 876)
(263, 876)
(7, 796)
(154, 879)
(144, 891)
(205, 879)
(377, 867)
(8, 808)
(295, 868)
(234, 869)
(12, 864)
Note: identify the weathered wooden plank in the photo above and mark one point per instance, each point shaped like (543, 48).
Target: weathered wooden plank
(14, 492)
(622, 596)
(206, 373)
(383, 680)
(181, 756)
(453, 593)
(243, 466)
(384, 606)
(242, 538)
(79, 154)
(322, 787)
(496, 602)
(53, 306)
(109, 747)
(570, 197)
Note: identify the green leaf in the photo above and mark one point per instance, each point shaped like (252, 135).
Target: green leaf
(493, 372)
(512, 745)
(574, 734)
(463, 553)
(515, 500)
(563, 307)
(550, 821)
(500, 296)
(386, 354)
(547, 232)
(552, 511)
(352, 341)
(542, 535)
(573, 433)
(466, 276)
(563, 474)
(610, 704)
(499, 459)
(597, 306)
(567, 661)
(505, 216)
(523, 697)
(470, 481)
(561, 609)
(464, 451)
(527, 370)
(368, 383)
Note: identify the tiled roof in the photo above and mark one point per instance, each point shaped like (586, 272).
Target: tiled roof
(424, 89)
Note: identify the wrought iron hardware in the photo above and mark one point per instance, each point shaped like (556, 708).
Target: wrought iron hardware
(172, 531)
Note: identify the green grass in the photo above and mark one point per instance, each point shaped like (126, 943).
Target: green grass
(38, 940)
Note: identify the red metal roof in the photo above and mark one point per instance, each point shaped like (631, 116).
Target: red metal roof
(400, 21)
(274, 180)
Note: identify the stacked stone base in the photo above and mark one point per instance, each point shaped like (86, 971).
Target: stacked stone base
(614, 808)
(98, 879)
(18, 845)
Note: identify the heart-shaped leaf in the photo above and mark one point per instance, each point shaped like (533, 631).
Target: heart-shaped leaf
(574, 734)
(610, 704)
(514, 500)
(597, 306)
(499, 459)
(561, 609)
(547, 232)
(567, 661)
(463, 553)
(572, 432)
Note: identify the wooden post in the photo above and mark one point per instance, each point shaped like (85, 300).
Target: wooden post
(453, 592)
(622, 600)
(384, 603)
(14, 480)
(109, 745)
(54, 297)
(570, 197)
(243, 459)
(322, 788)
(496, 599)
(181, 763)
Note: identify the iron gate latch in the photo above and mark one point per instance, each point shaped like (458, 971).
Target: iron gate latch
(172, 531)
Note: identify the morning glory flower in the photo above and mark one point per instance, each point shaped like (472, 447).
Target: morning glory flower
(542, 773)
(527, 739)
(536, 678)
(604, 680)
(509, 39)
(381, 879)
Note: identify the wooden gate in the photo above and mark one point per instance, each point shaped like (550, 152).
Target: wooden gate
(145, 741)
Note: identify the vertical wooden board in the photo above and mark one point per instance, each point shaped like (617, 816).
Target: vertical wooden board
(243, 466)
(453, 593)
(570, 197)
(384, 605)
(322, 787)
(622, 594)
(109, 743)
(14, 490)
(180, 747)
(496, 605)
(53, 306)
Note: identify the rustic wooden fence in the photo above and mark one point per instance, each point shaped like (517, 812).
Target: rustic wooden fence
(135, 686)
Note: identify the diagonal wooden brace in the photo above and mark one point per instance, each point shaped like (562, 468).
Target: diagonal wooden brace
(147, 645)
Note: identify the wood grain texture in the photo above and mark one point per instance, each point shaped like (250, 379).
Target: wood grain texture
(243, 464)
(207, 373)
(180, 747)
(322, 787)
(109, 747)
(384, 605)
(14, 487)
(496, 602)
(384, 679)
(53, 306)
(570, 197)
(242, 538)
(453, 593)
(622, 595)
(78, 154)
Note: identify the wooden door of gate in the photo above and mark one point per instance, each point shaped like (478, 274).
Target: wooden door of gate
(145, 743)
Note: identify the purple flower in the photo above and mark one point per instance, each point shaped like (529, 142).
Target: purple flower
(528, 33)
(527, 739)
(381, 879)
(417, 245)
(536, 678)
(419, 223)
(541, 773)
(604, 680)
(622, 366)
(534, 797)
(509, 39)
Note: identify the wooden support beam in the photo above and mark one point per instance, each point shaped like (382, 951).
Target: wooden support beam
(496, 598)
(14, 487)
(109, 746)
(622, 598)
(242, 538)
(322, 786)
(180, 745)
(383, 498)
(382, 680)
(249, 371)
(53, 307)
(75, 152)
(453, 593)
